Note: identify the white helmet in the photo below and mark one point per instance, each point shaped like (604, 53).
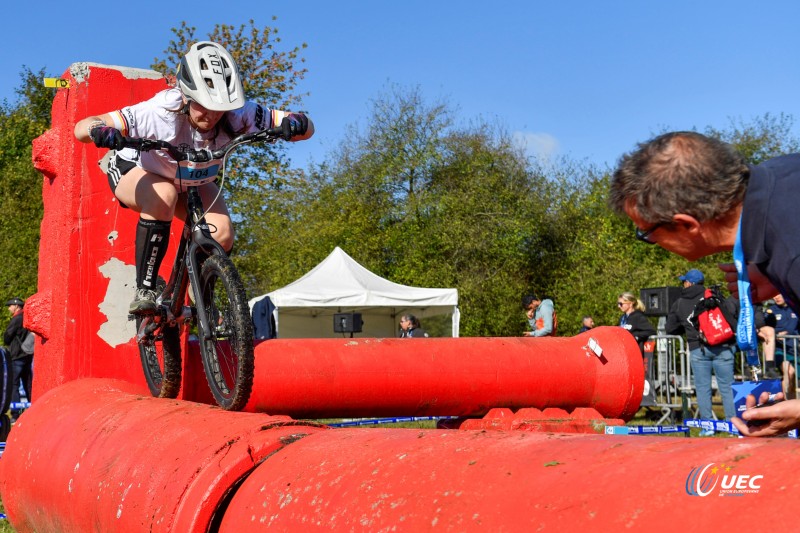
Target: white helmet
(208, 75)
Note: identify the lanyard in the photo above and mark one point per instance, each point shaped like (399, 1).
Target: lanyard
(746, 336)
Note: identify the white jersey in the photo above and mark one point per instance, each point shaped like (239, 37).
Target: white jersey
(160, 118)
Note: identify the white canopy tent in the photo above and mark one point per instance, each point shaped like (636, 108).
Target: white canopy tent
(305, 308)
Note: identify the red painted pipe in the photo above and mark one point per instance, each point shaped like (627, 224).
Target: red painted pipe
(412, 480)
(318, 378)
(94, 455)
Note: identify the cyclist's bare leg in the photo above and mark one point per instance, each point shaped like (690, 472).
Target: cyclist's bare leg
(151, 195)
(217, 215)
(154, 198)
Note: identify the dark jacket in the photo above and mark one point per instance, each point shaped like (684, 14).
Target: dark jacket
(678, 318)
(13, 337)
(639, 326)
(264, 319)
(414, 333)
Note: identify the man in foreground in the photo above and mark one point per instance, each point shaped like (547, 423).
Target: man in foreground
(695, 196)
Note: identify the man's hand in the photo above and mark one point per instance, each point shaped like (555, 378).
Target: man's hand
(761, 289)
(107, 137)
(770, 420)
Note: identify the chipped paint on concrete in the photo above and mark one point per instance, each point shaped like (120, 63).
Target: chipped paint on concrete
(117, 329)
(81, 70)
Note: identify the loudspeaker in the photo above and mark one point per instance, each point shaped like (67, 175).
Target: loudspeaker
(347, 323)
(658, 300)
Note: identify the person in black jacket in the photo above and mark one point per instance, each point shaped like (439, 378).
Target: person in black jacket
(633, 318)
(718, 359)
(411, 328)
(21, 362)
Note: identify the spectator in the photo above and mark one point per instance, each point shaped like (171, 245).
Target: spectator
(695, 196)
(21, 362)
(765, 326)
(633, 318)
(587, 323)
(410, 328)
(705, 359)
(541, 316)
(786, 323)
(264, 326)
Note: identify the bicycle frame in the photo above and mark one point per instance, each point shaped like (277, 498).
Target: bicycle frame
(195, 237)
(226, 346)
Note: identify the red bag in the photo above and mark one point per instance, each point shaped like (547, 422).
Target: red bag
(711, 323)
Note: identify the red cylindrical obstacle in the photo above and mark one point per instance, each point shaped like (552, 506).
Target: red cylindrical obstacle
(93, 455)
(316, 378)
(412, 480)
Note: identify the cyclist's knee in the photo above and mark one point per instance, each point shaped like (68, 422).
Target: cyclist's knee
(161, 205)
(224, 235)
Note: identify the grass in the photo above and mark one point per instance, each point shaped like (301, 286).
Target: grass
(5, 525)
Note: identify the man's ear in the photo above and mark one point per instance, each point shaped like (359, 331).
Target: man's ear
(687, 222)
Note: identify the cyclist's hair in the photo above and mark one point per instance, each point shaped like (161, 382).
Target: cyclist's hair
(224, 125)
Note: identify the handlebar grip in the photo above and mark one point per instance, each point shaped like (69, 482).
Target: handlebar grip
(283, 131)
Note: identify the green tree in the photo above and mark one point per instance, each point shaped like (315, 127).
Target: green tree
(418, 200)
(601, 257)
(760, 139)
(20, 184)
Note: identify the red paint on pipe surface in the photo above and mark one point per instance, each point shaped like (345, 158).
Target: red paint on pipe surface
(94, 455)
(317, 378)
(421, 480)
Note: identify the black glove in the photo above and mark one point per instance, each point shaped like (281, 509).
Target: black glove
(107, 137)
(294, 124)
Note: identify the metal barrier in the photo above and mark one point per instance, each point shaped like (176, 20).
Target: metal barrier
(670, 377)
(793, 342)
(781, 344)
(671, 374)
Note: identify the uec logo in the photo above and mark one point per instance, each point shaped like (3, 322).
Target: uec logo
(702, 481)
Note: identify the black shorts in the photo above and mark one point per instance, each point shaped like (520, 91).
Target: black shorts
(118, 167)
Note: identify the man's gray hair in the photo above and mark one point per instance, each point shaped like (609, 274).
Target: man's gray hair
(680, 172)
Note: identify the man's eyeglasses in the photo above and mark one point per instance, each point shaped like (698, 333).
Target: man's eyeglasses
(644, 236)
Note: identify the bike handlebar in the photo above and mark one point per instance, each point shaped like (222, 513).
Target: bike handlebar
(204, 154)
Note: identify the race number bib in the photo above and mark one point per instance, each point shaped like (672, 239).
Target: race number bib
(196, 173)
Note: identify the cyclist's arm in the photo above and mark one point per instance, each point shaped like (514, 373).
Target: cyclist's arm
(83, 126)
(254, 117)
(277, 117)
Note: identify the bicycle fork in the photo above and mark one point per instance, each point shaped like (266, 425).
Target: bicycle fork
(195, 240)
(197, 236)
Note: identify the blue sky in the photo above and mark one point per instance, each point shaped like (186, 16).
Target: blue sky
(585, 80)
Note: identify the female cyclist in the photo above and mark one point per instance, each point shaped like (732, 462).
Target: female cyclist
(206, 110)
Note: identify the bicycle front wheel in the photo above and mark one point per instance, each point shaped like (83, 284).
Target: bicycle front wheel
(226, 337)
(160, 351)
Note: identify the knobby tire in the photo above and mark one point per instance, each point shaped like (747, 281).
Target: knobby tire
(226, 342)
(6, 381)
(161, 360)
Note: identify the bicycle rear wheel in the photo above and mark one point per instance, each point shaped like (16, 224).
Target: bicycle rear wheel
(160, 351)
(6, 380)
(226, 341)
